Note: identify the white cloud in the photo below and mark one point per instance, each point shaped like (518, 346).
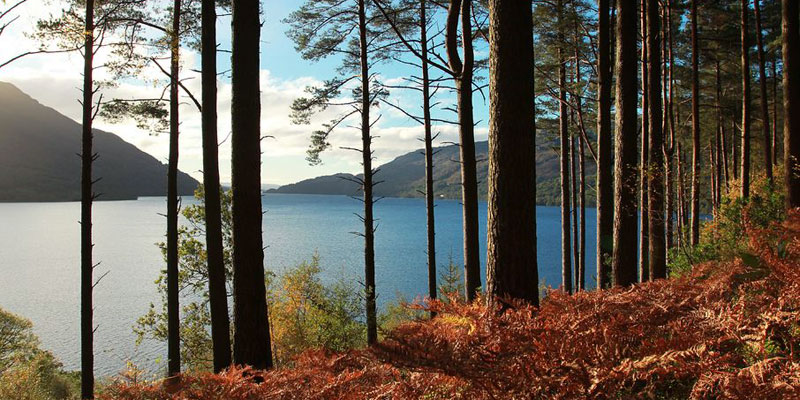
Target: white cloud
(55, 79)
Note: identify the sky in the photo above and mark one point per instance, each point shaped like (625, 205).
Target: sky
(54, 80)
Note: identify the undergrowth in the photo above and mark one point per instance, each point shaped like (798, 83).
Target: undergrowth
(727, 329)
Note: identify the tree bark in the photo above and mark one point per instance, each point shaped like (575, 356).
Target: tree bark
(251, 345)
(762, 76)
(605, 180)
(791, 100)
(745, 103)
(463, 73)
(217, 292)
(87, 197)
(655, 184)
(644, 271)
(582, 209)
(623, 262)
(721, 128)
(695, 211)
(511, 266)
(366, 152)
(173, 309)
(775, 110)
(566, 261)
(669, 125)
(574, 193)
(426, 114)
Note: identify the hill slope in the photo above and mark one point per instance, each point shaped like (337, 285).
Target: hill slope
(405, 176)
(38, 148)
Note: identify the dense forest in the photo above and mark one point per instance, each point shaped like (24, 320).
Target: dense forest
(678, 119)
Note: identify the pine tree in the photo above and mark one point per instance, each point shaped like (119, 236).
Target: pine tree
(218, 298)
(511, 268)
(251, 344)
(791, 100)
(626, 168)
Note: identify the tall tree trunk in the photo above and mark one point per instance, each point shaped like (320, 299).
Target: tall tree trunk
(681, 194)
(87, 197)
(366, 152)
(577, 233)
(775, 110)
(566, 262)
(623, 263)
(734, 148)
(644, 271)
(791, 100)
(712, 176)
(173, 310)
(463, 71)
(217, 292)
(762, 76)
(582, 208)
(655, 184)
(426, 113)
(669, 125)
(511, 268)
(605, 180)
(717, 145)
(251, 343)
(574, 193)
(695, 228)
(721, 127)
(745, 103)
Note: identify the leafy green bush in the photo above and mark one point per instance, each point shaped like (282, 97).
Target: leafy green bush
(723, 238)
(304, 313)
(26, 371)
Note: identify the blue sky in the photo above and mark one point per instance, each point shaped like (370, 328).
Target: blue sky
(54, 81)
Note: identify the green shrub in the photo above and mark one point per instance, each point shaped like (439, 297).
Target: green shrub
(723, 238)
(26, 371)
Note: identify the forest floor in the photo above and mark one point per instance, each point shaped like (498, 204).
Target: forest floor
(726, 329)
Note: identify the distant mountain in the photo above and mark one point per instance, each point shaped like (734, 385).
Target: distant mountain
(405, 176)
(39, 162)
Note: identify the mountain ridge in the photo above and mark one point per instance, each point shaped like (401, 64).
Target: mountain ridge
(38, 156)
(404, 176)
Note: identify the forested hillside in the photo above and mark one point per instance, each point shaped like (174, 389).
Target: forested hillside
(405, 176)
(38, 148)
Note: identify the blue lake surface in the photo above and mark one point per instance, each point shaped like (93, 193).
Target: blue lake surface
(39, 260)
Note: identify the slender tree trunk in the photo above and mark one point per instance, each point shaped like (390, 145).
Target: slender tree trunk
(791, 100)
(775, 110)
(762, 76)
(574, 193)
(173, 309)
(87, 197)
(626, 168)
(681, 195)
(426, 112)
(655, 184)
(712, 177)
(745, 103)
(582, 209)
(469, 181)
(644, 271)
(566, 262)
(218, 297)
(695, 228)
(511, 267)
(578, 236)
(721, 127)
(735, 148)
(251, 344)
(718, 152)
(669, 128)
(605, 180)
(366, 152)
